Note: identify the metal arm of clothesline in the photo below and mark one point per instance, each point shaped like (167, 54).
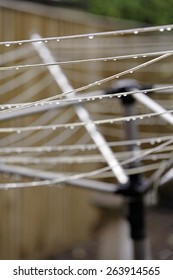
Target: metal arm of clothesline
(26, 109)
(31, 109)
(130, 85)
(81, 112)
(47, 175)
(154, 106)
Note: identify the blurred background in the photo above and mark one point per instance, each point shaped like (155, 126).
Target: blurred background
(62, 221)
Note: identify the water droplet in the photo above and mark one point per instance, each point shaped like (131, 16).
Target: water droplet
(20, 44)
(53, 127)
(168, 28)
(141, 118)
(46, 41)
(114, 59)
(136, 32)
(138, 143)
(98, 83)
(161, 29)
(93, 147)
(135, 57)
(71, 127)
(105, 60)
(39, 42)
(7, 44)
(131, 72)
(34, 184)
(80, 100)
(158, 140)
(18, 131)
(57, 40)
(152, 142)
(57, 102)
(100, 98)
(17, 68)
(117, 76)
(154, 157)
(144, 56)
(119, 95)
(91, 37)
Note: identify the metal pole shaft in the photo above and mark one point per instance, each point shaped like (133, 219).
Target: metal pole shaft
(136, 209)
(137, 225)
(154, 106)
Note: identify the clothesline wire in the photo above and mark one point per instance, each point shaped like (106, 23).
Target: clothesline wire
(133, 31)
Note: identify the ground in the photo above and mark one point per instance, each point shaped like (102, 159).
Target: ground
(159, 230)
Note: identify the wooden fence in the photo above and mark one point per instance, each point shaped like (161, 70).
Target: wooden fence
(41, 222)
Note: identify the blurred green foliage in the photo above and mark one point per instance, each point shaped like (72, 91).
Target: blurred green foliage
(147, 11)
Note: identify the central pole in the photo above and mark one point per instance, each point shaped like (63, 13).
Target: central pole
(136, 211)
(134, 190)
